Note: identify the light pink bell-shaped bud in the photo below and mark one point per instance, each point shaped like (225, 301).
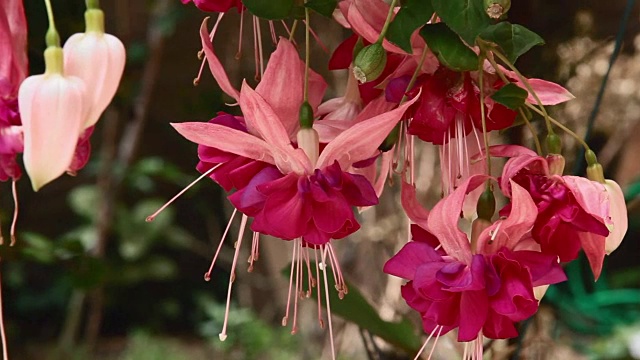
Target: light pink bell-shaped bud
(618, 214)
(53, 112)
(98, 59)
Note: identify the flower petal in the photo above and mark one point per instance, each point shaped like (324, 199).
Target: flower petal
(361, 140)
(412, 207)
(53, 112)
(413, 254)
(98, 59)
(594, 248)
(262, 120)
(618, 213)
(443, 221)
(226, 139)
(214, 64)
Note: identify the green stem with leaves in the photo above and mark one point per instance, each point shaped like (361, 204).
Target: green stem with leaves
(561, 126)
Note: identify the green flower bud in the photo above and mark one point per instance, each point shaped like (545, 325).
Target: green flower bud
(497, 8)
(486, 205)
(370, 63)
(306, 116)
(554, 144)
(594, 169)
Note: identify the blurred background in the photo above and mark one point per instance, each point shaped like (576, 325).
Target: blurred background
(90, 279)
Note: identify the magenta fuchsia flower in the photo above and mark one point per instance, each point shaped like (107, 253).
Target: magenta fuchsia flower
(480, 286)
(574, 212)
(292, 186)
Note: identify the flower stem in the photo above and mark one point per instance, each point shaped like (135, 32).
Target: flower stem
(93, 4)
(527, 85)
(561, 126)
(293, 29)
(414, 77)
(533, 131)
(387, 21)
(306, 54)
(483, 115)
(52, 38)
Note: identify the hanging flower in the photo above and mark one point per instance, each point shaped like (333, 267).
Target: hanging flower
(98, 59)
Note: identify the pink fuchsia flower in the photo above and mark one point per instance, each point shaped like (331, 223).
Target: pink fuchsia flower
(481, 288)
(98, 59)
(216, 5)
(573, 211)
(13, 70)
(53, 113)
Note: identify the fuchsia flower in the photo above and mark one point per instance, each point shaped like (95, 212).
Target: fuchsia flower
(302, 196)
(13, 70)
(98, 59)
(574, 212)
(480, 286)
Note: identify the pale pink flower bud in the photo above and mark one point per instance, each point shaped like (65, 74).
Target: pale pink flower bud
(618, 214)
(98, 59)
(52, 107)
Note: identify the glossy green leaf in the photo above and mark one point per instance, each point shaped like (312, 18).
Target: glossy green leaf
(412, 15)
(270, 10)
(511, 96)
(448, 47)
(322, 7)
(356, 309)
(466, 17)
(514, 40)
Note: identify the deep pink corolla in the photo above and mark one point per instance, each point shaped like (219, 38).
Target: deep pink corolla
(215, 5)
(484, 289)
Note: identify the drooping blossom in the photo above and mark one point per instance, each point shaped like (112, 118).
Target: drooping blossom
(483, 285)
(574, 212)
(98, 59)
(13, 70)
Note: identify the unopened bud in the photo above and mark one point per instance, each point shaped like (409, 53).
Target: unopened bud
(358, 46)
(556, 164)
(497, 8)
(306, 116)
(594, 169)
(370, 63)
(554, 144)
(486, 205)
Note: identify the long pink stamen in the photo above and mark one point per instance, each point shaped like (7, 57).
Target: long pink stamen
(196, 81)
(255, 243)
(298, 247)
(286, 28)
(326, 294)
(272, 30)
(424, 346)
(207, 275)
(311, 282)
(255, 50)
(3, 335)
(239, 53)
(435, 342)
(286, 313)
(260, 46)
(14, 191)
(315, 36)
(153, 216)
(232, 276)
(320, 321)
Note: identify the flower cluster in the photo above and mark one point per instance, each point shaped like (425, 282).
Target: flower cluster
(298, 166)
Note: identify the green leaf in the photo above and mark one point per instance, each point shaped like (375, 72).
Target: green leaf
(270, 10)
(511, 96)
(322, 7)
(466, 17)
(448, 47)
(412, 15)
(514, 40)
(356, 309)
